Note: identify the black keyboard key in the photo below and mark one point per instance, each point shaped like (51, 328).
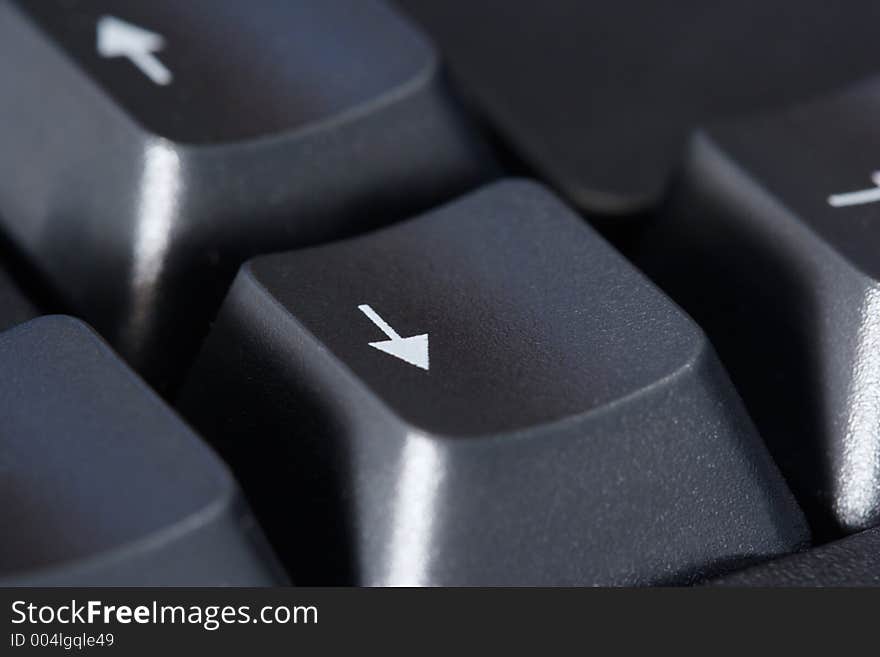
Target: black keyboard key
(149, 148)
(601, 96)
(102, 484)
(852, 561)
(770, 242)
(488, 394)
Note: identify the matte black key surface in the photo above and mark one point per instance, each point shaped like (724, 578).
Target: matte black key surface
(152, 147)
(600, 97)
(487, 394)
(771, 242)
(853, 561)
(101, 483)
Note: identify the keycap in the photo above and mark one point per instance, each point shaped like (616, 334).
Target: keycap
(852, 561)
(102, 484)
(150, 148)
(769, 241)
(484, 395)
(600, 97)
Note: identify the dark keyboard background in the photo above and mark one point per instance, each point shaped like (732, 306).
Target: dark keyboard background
(458, 293)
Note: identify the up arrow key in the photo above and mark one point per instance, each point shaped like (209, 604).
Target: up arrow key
(412, 350)
(116, 38)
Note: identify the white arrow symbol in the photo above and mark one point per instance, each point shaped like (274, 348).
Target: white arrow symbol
(116, 38)
(857, 198)
(413, 350)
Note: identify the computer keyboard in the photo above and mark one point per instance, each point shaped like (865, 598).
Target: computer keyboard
(437, 293)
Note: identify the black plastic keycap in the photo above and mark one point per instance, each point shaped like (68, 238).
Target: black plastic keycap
(485, 395)
(771, 242)
(102, 484)
(600, 97)
(149, 148)
(852, 561)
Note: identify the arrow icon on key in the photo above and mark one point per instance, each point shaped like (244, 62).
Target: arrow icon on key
(413, 350)
(116, 38)
(861, 197)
